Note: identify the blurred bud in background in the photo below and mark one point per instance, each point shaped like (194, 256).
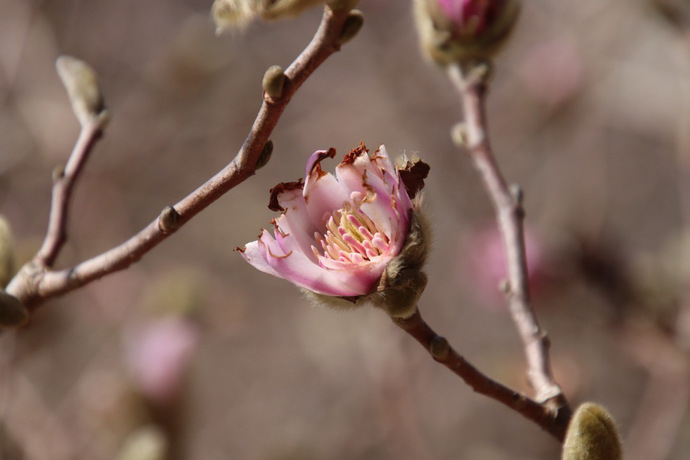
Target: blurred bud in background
(233, 14)
(158, 354)
(146, 443)
(81, 83)
(462, 30)
(158, 349)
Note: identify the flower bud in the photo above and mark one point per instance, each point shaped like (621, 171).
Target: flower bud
(461, 30)
(81, 83)
(592, 435)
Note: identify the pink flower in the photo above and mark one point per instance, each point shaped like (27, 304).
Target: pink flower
(336, 233)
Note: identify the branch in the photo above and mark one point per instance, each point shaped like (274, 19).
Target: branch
(36, 282)
(510, 215)
(553, 421)
(62, 192)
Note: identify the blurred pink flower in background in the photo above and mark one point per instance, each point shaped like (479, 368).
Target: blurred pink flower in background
(485, 261)
(337, 233)
(553, 71)
(158, 355)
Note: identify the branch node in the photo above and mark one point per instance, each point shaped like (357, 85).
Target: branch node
(169, 220)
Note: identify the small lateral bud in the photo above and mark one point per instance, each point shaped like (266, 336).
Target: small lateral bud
(274, 81)
(81, 83)
(517, 193)
(169, 220)
(459, 135)
(504, 287)
(439, 348)
(592, 435)
(12, 312)
(352, 25)
(58, 173)
(265, 155)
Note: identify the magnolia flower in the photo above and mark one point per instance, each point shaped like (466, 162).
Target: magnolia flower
(339, 234)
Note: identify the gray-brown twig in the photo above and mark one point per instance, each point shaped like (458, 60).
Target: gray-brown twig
(471, 84)
(36, 281)
(553, 420)
(64, 181)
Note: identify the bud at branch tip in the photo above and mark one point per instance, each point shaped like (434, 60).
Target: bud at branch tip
(81, 83)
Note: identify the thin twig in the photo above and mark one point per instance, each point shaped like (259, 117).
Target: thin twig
(35, 283)
(555, 422)
(510, 214)
(62, 193)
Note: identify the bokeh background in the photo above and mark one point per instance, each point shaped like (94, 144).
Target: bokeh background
(193, 352)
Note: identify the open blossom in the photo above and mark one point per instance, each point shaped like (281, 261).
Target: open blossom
(337, 233)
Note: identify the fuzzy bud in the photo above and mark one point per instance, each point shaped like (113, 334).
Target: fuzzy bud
(274, 81)
(81, 83)
(464, 30)
(592, 435)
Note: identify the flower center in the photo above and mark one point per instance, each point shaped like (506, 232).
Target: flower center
(351, 237)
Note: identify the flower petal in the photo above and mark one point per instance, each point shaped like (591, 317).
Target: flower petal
(323, 194)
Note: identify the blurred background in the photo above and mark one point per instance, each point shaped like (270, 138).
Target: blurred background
(193, 354)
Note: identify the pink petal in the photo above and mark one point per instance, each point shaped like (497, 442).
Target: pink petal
(266, 255)
(323, 194)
